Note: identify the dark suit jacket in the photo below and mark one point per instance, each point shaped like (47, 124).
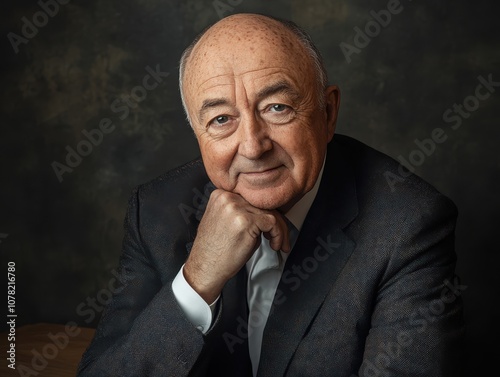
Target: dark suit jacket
(368, 290)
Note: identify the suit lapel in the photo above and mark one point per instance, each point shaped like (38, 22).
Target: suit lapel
(319, 255)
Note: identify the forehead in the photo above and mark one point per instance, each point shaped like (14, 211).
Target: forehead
(232, 51)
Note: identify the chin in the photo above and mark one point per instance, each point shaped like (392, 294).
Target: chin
(265, 201)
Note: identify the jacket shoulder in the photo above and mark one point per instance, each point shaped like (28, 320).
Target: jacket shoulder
(380, 178)
(191, 172)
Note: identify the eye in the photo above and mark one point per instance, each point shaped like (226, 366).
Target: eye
(220, 120)
(278, 108)
(278, 113)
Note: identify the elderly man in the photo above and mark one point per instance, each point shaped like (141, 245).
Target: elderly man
(296, 259)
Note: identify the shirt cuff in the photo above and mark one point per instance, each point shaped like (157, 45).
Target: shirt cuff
(198, 312)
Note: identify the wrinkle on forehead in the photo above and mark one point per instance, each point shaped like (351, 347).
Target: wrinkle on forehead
(228, 79)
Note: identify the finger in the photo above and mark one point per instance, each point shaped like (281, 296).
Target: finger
(275, 230)
(285, 245)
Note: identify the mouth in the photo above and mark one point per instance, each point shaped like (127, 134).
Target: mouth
(261, 171)
(263, 176)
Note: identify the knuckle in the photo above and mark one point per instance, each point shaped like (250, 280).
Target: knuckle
(213, 199)
(272, 219)
(230, 208)
(240, 221)
(225, 197)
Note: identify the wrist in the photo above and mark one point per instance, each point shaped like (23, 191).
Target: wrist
(207, 289)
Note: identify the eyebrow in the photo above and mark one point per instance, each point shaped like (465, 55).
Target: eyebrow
(280, 87)
(211, 103)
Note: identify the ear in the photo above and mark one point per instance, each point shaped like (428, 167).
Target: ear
(332, 98)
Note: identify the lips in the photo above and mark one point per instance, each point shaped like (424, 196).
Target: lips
(262, 176)
(262, 171)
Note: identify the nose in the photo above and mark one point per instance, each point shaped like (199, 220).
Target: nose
(254, 138)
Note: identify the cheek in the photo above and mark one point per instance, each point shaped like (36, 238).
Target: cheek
(306, 148)
(305, 143)
(217, 160)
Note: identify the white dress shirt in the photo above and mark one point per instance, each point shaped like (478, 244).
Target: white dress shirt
(264, 273)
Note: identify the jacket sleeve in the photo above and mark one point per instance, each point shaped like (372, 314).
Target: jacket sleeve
(143, 331)
(417, 326)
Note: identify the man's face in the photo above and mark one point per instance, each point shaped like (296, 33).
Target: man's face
(253, 104)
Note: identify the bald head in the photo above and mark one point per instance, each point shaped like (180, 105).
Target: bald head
(238, 37)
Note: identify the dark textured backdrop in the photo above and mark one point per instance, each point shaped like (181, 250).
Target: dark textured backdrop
(65, 236)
